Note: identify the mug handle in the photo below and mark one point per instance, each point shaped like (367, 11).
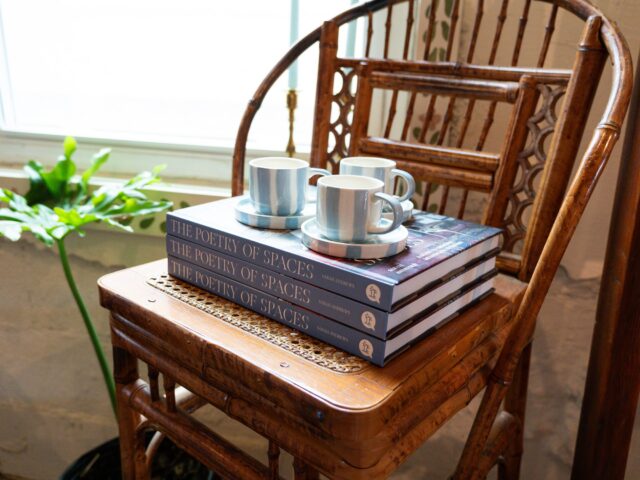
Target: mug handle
(394, 202)
(410, 183)
(313, 171)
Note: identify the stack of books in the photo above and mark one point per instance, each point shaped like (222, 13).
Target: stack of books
(374, 309)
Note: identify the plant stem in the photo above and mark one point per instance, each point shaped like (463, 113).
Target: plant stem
(104, 366)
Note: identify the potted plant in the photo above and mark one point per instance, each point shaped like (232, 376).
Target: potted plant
(60, 203)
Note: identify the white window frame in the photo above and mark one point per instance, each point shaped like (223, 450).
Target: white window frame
(205, 172)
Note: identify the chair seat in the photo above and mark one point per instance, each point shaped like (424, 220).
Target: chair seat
(360, 423)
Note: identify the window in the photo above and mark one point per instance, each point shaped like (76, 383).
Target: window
(154, 71)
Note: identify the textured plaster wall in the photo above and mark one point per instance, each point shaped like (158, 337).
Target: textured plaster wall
(53, 405)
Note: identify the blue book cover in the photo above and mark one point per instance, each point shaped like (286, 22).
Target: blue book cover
(436, 246)
(366, 346)
(355, 314)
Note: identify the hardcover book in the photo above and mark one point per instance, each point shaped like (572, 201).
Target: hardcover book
(360, 316)
(436, 247)
(359, 343)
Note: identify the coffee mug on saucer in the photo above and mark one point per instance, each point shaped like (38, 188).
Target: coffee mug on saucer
(349, 208)
(278, 185)
(382, 169)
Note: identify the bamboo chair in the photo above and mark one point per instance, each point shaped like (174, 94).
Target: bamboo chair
(364, 423)
(525, 182)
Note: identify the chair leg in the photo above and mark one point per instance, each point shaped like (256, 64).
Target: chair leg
(302, 471)
(515, 403)
(125, 370)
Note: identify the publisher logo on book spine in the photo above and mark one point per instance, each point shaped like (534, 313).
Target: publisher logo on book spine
(368, 320)
(366, 348)
(373, 293)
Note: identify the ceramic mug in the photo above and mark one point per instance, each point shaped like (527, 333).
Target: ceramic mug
(382, 169)
(278, 185)
(349, 208)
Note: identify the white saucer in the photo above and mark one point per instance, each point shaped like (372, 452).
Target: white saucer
(245, 213)
(375, 246)
(407, 210)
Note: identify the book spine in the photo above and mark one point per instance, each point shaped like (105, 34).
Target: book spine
(331, 305)
(358, 287)
(334, 333)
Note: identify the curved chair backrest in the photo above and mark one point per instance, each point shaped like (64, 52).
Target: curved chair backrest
(541, 141)
(537, 212)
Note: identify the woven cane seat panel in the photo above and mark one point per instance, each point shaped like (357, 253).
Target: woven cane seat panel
(273, 332)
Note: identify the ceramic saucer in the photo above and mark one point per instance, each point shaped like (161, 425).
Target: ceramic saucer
(245, 213)
(407, 210)
(375, 246)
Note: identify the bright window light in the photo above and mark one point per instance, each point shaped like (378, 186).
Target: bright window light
(178, 72)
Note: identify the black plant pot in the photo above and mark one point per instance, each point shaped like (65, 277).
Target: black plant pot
(170, 463)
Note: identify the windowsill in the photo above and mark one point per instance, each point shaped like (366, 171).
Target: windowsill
(194, 174)
(189, 164)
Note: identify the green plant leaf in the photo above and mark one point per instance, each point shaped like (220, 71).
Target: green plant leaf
(155, 171)
(11, 230)
(16, 201)
(12, 216)
(40, 220)
(72, 208)
(58, 178)
(60, 231)
(38, 191)
(96, 162)
(70, 145)
(74, 217)
(442, 54)
(433, 55)
(64, 169)
(114, 223)
(53, 183)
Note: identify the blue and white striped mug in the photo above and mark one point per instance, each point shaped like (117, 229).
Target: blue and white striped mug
(349, 208)
(278, 185)
(382, 169)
